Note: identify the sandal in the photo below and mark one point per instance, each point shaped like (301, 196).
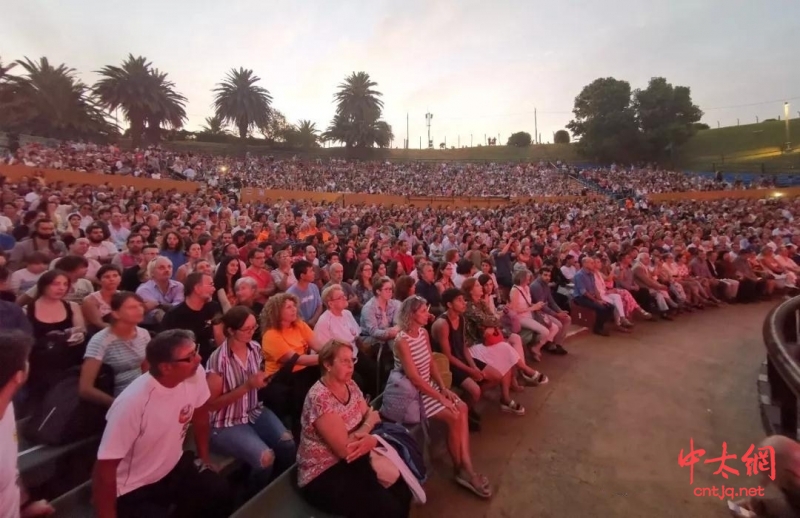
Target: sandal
(535, 380)
(483, 490)
(512, 407)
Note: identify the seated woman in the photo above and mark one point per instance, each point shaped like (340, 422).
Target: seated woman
(482, 323)
(606, 274)
(335, 474)
(97, 306)
(520, 303)
(193, 255)
(414, 361)
(404, 287)
(288, 345)
(58, 331)
(121, 346)
(240, 425)
(362, 285)
(228, 272)
(377, 316)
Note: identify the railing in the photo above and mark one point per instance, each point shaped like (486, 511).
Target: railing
(781, 333)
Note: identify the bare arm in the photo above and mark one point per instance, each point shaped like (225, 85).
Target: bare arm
(442, 333)
(202, 432)
(91, 312)
(104, 488)
(86, 389)
(411, 372)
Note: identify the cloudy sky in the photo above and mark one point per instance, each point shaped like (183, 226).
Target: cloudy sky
(481, 67)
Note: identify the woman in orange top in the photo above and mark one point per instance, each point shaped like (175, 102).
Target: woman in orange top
(287, 344)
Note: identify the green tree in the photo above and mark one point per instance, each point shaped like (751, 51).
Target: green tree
(561, 137)
(277, 129)
(145, 96)
(698, 126)
(241, 102)
(665, 115)
(50, 101)
(519, 139)
(358, 111)
(214, 127)
(306, 134)
(606, 122)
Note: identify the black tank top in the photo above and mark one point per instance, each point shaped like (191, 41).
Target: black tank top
(456, 338)
(40, 329)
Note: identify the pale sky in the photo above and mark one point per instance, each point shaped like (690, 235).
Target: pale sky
(480, 67)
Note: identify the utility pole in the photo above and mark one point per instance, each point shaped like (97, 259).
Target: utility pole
(428, 117)
(535, 126)
(470, 140)
(420, 141)
(407, 136)
(445, 141)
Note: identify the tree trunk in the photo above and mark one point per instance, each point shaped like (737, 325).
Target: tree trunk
(137, 126)
(243, 132)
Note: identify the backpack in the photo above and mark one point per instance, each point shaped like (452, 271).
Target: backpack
(63, 417)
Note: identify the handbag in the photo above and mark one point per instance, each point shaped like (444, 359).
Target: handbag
(402, 402)
(492, 336)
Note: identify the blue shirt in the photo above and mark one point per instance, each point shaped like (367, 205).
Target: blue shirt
(309, 300)
(584, 283)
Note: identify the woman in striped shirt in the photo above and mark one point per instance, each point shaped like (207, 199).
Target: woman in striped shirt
(240, 426)
(413, 358)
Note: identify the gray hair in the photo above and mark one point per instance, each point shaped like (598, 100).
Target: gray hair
(245, 280)
(151, 267)
(520, 276)
(327, 293)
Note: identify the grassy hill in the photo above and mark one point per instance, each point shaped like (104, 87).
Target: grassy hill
(535, 153)
(743, 148)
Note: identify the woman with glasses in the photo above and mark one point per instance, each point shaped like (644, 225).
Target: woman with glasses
(240, 425)
(335, 473)
(378, 315)
(337, 323)
(414, 361)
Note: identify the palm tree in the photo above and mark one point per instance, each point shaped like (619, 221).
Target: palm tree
(358, 110)
(214, 126)
(143, 94)
(242, 103)
(50, 101)
(357, 99)
(307, 134)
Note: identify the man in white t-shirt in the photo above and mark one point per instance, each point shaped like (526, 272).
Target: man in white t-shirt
(141, 467)
(15, 346)
(99, 249)
(337, 323)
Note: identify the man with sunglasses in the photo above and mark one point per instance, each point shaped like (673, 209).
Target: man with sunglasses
(141, 467)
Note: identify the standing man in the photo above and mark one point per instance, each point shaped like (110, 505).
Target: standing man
(141, 468)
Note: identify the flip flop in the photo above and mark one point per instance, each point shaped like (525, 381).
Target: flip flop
(483, 491)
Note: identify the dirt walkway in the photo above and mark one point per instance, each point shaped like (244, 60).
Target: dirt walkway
(603, 438)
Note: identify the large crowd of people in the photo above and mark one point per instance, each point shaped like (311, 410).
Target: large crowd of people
(271, 327)
(638, 182)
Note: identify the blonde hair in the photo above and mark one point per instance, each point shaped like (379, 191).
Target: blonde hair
(271, 314)
(329, 351)
(327, 293)
(407, 309)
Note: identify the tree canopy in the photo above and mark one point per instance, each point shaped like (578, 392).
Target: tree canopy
(239, 101)
(616, 124)
(520, 139)
(49, 101)
(144, 95)
(357, 122)
(561, 137)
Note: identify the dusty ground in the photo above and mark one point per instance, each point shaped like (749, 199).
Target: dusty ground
(603, 438)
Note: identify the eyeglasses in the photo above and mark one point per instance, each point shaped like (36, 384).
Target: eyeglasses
(334, 299)
(190, 358)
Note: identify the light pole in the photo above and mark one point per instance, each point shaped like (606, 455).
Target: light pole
(428, 118)
(786, 116)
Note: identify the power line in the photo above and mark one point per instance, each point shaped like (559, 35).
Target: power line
(751, 104)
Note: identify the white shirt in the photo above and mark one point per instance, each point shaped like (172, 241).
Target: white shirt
(146, 427)
(9, 490)
(569, 271)
(103, 250)
(6, 226)
(119, 236)
(343, 328)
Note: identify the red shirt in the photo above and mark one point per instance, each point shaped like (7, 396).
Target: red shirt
(263, 278)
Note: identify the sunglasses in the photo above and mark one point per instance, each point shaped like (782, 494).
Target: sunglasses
(190, 358)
